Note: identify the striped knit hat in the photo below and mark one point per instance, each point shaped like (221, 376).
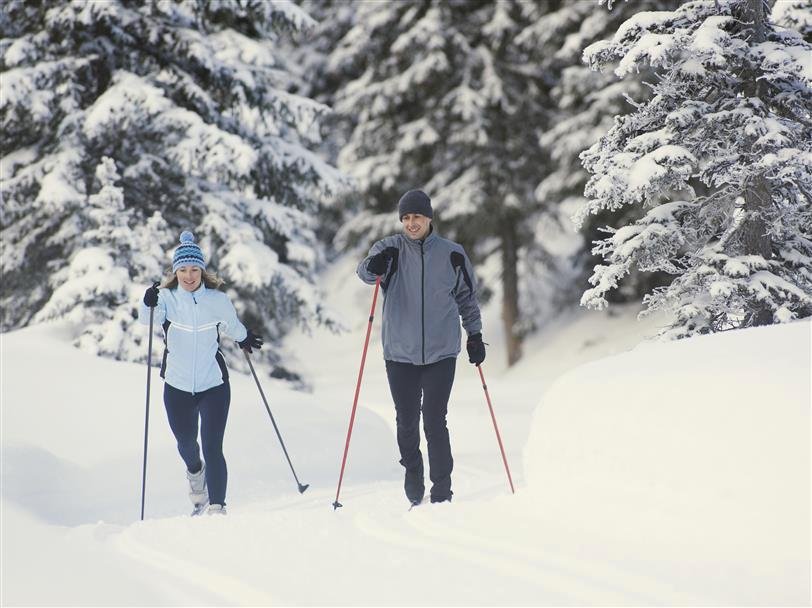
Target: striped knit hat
(188, 254)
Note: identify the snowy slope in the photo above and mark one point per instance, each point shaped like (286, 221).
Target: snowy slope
(671, 474)
(689, 461)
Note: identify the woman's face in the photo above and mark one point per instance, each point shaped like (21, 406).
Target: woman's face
(189, 277)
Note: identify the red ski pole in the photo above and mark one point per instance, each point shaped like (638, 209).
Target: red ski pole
(496, 428)
(337, 504)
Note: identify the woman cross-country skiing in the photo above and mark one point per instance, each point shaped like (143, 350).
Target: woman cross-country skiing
(193, 315)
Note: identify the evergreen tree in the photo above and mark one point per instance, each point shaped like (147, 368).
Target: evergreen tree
(583, 106)
(124, 123)
(481, 134)
(306, 56)
(89, 291)
(720, 159)
(437, 96)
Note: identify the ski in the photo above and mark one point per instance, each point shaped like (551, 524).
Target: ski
(199, 509)
(416, 504)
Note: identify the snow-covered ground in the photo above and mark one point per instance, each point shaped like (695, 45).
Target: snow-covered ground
(650, 474)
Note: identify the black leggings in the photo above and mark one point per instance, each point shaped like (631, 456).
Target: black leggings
(182, 410)
(408, 383)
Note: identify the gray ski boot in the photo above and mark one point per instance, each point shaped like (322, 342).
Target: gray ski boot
(198, 492)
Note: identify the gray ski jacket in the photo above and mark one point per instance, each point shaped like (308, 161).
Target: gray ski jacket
(428, 286)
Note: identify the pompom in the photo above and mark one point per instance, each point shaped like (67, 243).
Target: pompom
(187, 237)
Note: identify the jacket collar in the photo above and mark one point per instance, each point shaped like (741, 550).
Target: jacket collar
(431, 238)
(195, 295)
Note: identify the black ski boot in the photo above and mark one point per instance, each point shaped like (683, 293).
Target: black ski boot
(413, 484)
(441, 498)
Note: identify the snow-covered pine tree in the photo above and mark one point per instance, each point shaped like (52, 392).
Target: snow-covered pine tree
(584, 103)
(305, 57)
(124, 123)
(90, 291)
(720, 158)
(438, 96)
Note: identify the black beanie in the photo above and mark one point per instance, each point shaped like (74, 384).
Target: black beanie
(415, 201)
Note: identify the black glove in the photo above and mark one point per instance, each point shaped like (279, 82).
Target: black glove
(251, 341)
(476, 349)
(151, 295)
(380, 261)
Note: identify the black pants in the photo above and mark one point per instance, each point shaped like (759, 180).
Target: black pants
(408, 383)
(211, 406)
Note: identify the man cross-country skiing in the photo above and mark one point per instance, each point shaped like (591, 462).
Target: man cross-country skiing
(428, 285)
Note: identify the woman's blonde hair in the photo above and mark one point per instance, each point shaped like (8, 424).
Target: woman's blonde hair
(210, 280)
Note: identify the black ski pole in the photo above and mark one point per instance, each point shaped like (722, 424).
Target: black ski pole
(146, 417)
(302, 487)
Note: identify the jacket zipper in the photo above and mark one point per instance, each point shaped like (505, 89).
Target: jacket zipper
(423, 299)
(194, 347)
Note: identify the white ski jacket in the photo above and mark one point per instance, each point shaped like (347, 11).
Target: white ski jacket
(193, 323)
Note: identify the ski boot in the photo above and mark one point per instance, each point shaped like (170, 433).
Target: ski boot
(413, 484)
(198, 492)
(216, 510)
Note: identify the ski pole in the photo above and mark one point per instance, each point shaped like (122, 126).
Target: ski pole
(496, 428)
(146, 416)
(337, 504)
(302, 487)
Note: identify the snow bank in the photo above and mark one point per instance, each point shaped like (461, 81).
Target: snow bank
(73, 436)
(692, 455)
(675, 474)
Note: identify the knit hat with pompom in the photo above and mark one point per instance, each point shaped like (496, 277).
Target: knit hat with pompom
(188, 254)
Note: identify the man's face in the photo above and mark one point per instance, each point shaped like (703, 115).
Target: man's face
(415, 226)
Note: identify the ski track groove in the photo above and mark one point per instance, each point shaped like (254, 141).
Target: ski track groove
(196, 576)
(633, 587)
(553, 577)
(562, 584)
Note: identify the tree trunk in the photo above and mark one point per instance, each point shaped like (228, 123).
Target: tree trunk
(510, 291)
(755, 239)
(757, 197)
(756, 9)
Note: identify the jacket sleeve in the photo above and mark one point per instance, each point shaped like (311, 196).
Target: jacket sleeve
(230, 324)
(365, 275)
(466, 298)
(160, 311)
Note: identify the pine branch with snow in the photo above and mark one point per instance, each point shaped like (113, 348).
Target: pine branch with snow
(583, 104)
(455, 107)
(125, 123)
(795, 15)
(720, 160)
